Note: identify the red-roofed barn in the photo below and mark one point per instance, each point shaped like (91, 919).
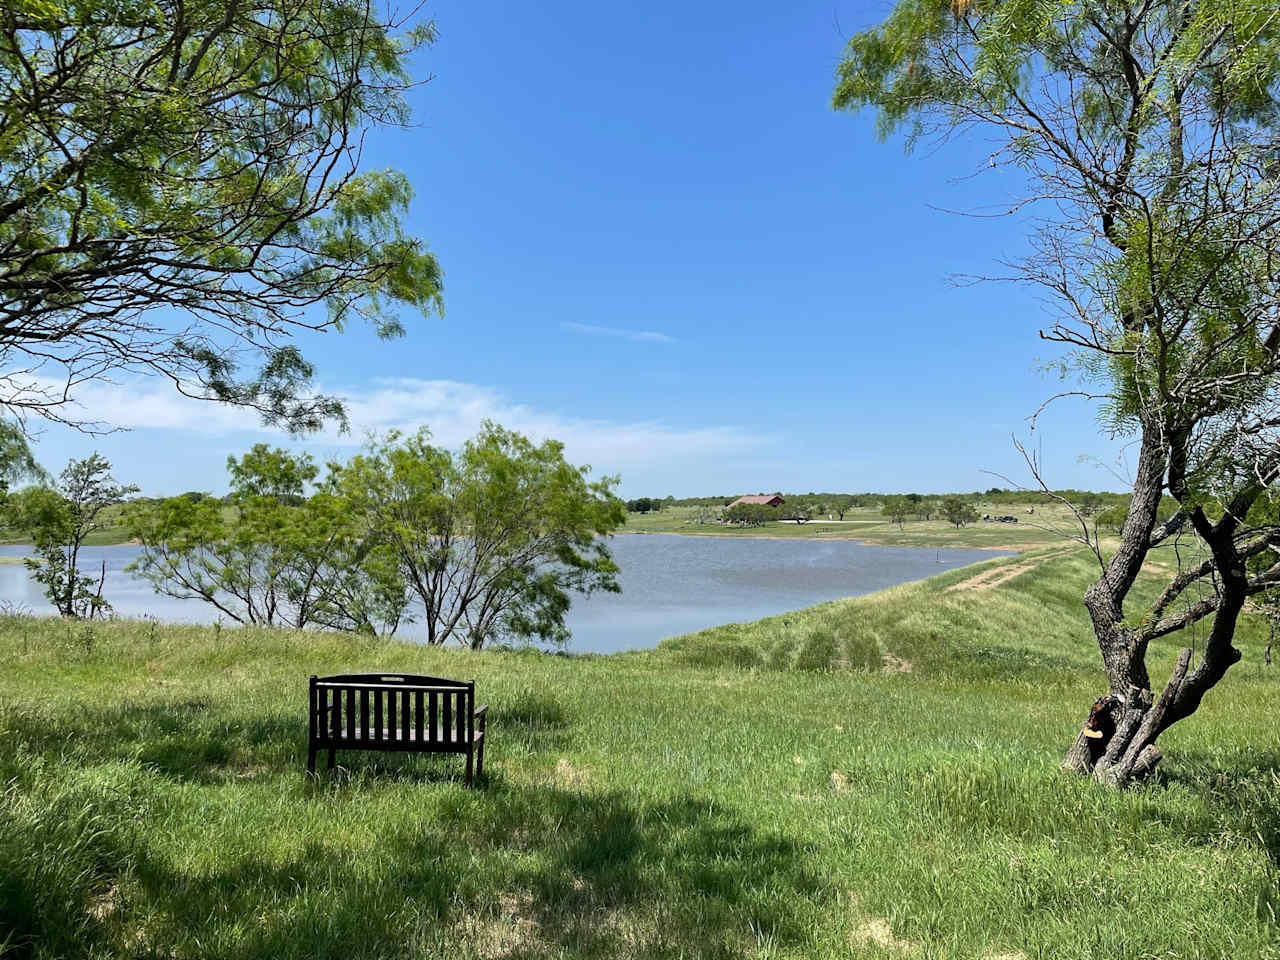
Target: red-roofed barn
(768, 501)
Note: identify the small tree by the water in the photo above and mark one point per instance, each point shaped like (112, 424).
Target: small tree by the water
(270, 555)
(59, 519)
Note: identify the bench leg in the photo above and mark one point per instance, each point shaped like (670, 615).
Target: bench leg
(333, 757)
(480, 760)
(470, 758)
(311, 759)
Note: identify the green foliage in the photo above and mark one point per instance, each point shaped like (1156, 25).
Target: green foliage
(957, 512)
(750, 514)
(897, 508)
(195, 165)
(492, 539)
(279, 558)
(17, 462)
(1147, 134)
(59, 520)
(798, 510)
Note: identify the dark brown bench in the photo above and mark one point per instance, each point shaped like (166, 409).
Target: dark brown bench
(395, 712)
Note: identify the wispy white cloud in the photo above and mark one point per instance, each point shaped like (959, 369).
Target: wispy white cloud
(453, 412)
(643, 336)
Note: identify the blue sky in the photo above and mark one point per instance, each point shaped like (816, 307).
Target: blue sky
(662, 246)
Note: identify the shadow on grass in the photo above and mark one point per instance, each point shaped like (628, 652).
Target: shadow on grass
(191, 740)
(195, 741)
(521, 872)
(1242, 788)
(199, 741)
(386, 865)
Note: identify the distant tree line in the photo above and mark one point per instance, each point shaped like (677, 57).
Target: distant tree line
(837, 504)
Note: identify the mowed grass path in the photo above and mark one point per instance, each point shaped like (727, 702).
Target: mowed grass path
(875, 777)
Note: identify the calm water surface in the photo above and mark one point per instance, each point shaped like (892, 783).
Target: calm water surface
(670, 584)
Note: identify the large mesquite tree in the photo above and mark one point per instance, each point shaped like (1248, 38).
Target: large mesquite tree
(181, 192)
(1150, 132)
(492, 539)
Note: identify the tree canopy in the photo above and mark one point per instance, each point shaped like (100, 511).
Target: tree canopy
(181, 192)
(491, 539)
(1146, 135)
(958, 512)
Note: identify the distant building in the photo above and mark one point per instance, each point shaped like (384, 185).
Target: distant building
(768, 501)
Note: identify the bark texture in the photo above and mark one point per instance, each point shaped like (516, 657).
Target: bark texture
(1117, 742)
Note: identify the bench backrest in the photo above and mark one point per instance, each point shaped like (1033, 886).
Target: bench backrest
(392, 708)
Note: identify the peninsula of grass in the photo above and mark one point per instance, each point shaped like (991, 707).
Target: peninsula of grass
(869, 525)
(875, 777)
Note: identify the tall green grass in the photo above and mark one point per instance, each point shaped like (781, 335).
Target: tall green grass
(764, 790)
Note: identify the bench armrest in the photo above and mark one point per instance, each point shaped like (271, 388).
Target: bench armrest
(479, 711)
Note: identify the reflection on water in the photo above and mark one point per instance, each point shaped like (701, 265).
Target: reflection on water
(670, 584)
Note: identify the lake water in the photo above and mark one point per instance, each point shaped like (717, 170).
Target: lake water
(670, 584)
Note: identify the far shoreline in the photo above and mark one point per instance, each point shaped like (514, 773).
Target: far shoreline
(838, 538)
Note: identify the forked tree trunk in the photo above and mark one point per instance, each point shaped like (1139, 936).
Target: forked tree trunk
(1117, 743)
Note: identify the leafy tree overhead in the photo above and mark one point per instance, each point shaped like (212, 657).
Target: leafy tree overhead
(180, 191)
(1151, 129)
(17, 462)
(59, 520)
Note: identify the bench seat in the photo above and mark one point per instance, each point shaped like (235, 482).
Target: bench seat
(395, 712)
(391, 736)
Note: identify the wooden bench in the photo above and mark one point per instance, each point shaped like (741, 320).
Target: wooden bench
(395, 712)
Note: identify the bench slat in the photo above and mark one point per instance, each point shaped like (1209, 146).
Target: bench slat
(386, 686)
(377, 715)
(388, 740)
(417, 721)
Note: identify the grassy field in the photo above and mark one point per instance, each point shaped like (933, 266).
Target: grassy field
(868, 525)
(875, 777)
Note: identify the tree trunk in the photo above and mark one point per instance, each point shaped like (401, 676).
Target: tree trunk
(1117, 744)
